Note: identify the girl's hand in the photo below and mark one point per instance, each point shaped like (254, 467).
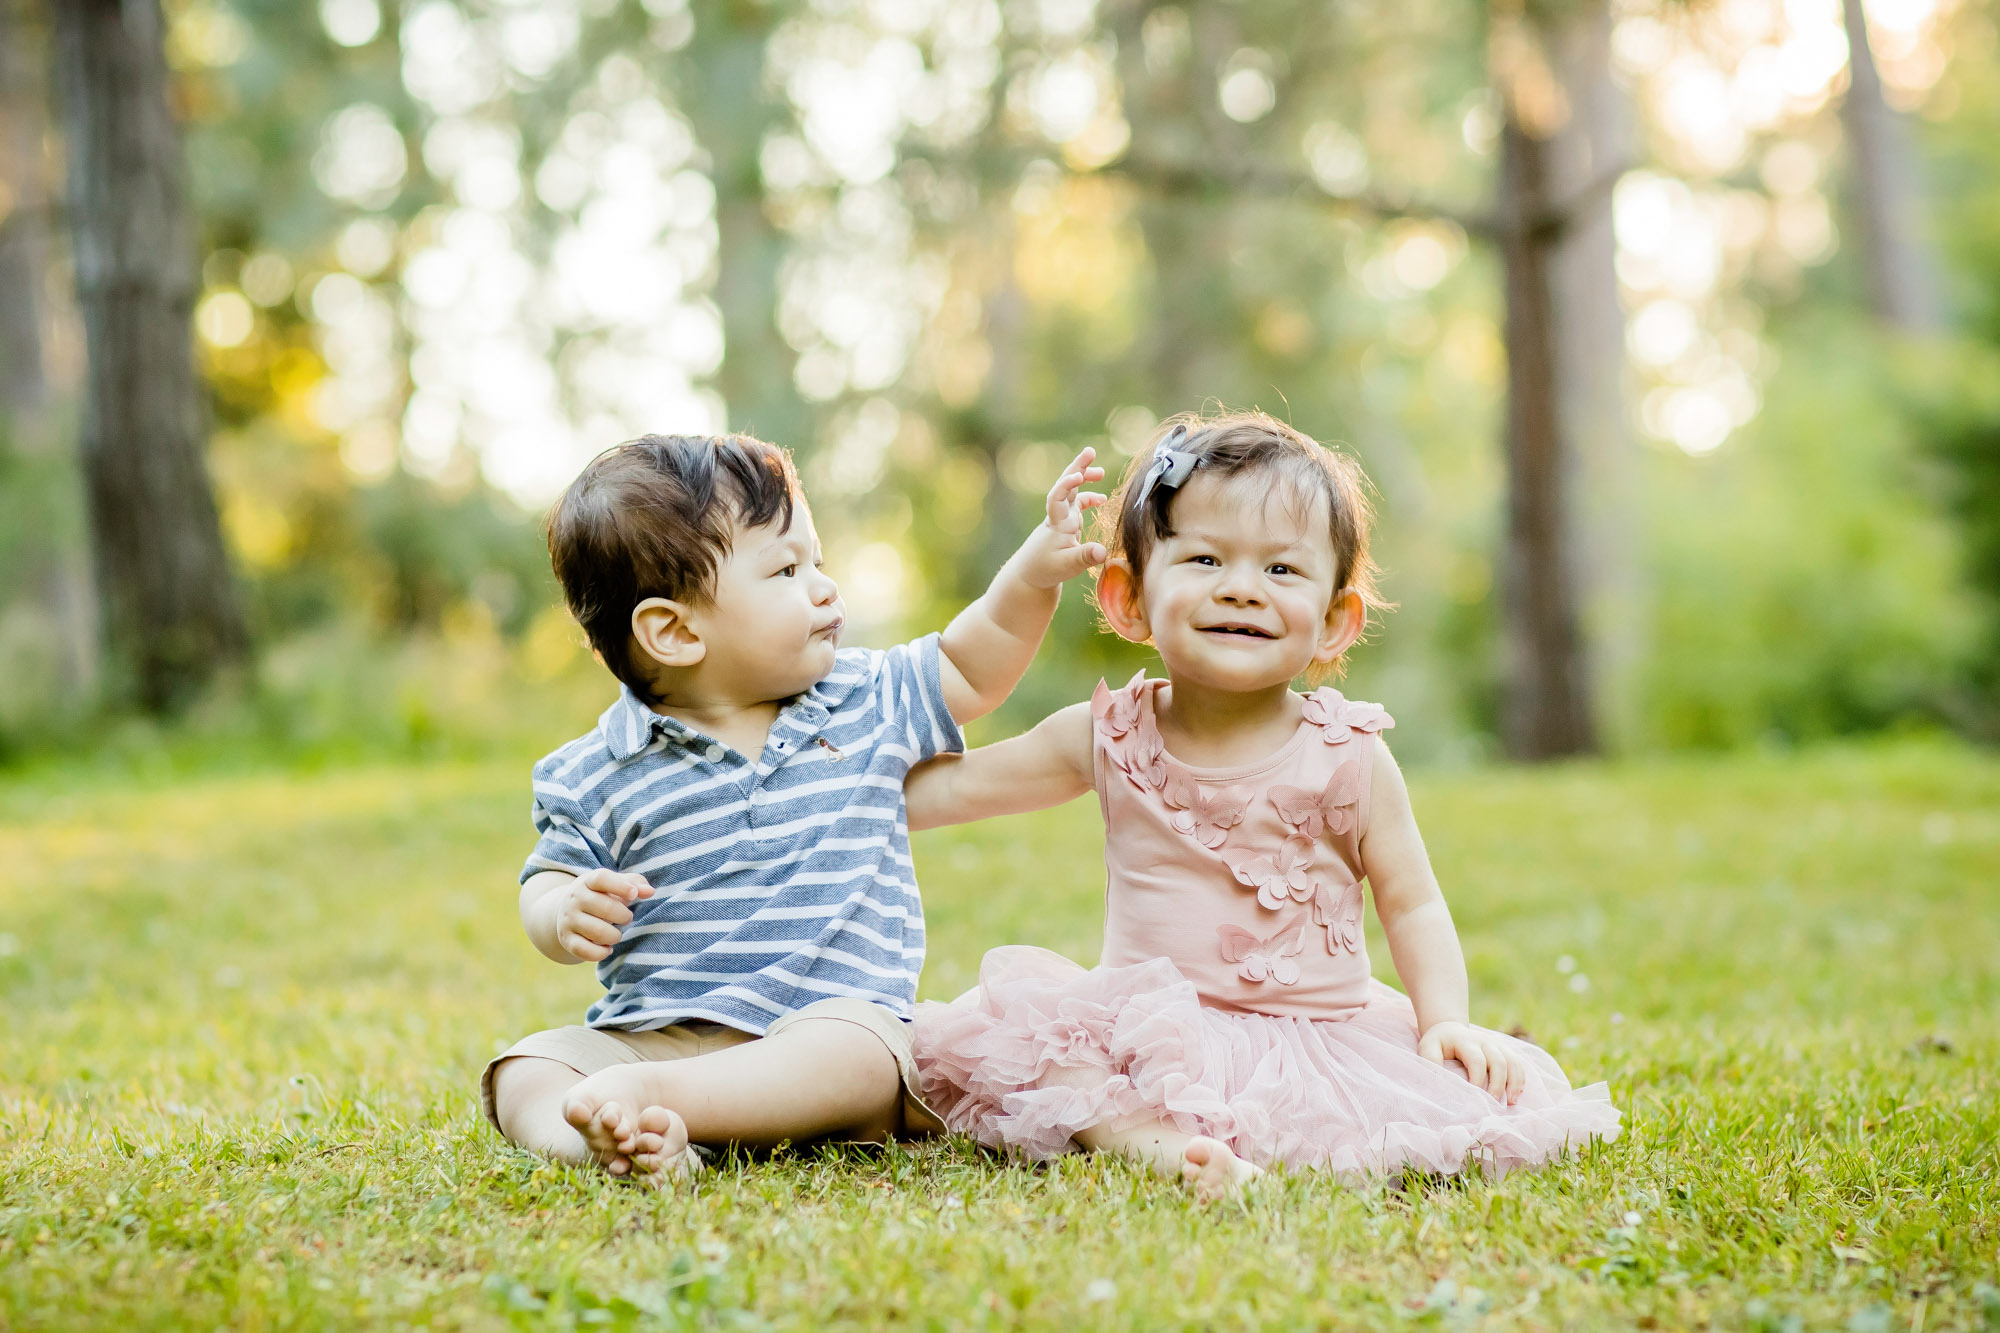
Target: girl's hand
(1055, 552)
(594, 910)
(1490, 1059)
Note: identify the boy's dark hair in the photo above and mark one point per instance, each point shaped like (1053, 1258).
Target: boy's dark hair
(651, 518)
(1300, 468)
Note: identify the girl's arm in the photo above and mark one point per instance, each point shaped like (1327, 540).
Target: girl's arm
(988, 645)
(1045, 767)
(1422, 940)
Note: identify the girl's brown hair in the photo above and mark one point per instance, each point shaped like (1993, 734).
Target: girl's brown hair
(1301, 469)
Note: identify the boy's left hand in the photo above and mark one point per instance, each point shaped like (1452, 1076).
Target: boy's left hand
(1055, 552)
(1490, 1060)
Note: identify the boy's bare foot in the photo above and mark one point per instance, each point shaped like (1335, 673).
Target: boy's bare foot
(659, 1151)
(621, 1115)
(604, 1127)
(1214, 1170)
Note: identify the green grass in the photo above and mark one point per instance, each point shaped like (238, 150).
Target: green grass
(244, 1014)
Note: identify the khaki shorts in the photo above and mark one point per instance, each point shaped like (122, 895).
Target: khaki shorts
(587, 1050)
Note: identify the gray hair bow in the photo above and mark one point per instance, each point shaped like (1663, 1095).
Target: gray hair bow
(1170, 466)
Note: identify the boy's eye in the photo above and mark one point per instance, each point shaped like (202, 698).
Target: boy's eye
(788, 571)
(1283, 569)
(1203, 559)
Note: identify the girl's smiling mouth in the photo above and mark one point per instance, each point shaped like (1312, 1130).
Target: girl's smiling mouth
(1238, 628)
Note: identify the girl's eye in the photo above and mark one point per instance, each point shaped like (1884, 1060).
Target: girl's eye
(1283, 570)
(788, 571)
(1204, 559)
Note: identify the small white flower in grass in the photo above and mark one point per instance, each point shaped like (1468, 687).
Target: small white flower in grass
(1616, 1018)
(1633, 1219)
(1100, 1290)
(1566, 964)
(1579, 983)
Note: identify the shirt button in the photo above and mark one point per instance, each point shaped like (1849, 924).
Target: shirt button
(714, 753)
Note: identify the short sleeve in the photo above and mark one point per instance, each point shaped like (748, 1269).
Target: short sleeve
(568, 840)
(912, 683)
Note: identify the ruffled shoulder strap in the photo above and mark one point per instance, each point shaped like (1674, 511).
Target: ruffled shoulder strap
(1115, 712)
(1124, 734)
(1340, 719)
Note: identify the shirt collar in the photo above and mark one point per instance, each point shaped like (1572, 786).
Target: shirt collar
(630, 725)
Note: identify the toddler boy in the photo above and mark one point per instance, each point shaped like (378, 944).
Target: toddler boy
(729, 844)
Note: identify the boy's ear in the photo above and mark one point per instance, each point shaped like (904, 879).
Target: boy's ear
(1346, 618)
(664, 633)
(1118, 598)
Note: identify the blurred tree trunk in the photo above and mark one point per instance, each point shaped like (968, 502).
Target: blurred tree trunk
(1545, 709)
(732, 109)
(1591, 147)
(1902, 286)
(56, 572)
(23, 223)
(170, 608)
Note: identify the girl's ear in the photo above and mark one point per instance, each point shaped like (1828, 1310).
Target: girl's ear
(665, 634)
(1346, 618)
(1118, 598)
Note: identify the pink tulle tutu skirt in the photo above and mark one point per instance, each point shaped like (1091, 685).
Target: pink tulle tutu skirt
(1045, 1048)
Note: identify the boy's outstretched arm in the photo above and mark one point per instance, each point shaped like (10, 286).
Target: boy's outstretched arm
(1046, 766)
(988, 646)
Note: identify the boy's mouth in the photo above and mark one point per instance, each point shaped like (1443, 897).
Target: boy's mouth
(1238, 629)
(831, 630)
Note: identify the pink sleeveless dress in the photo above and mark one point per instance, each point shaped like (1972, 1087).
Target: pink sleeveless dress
(1234, 998)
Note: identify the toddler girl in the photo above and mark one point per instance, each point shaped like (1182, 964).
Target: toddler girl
(1233, 1022)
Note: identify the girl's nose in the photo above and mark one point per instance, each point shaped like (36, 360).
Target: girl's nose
(825, 591)
(1240, 585)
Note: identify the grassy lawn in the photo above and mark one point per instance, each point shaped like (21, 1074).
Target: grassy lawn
(244, 1015)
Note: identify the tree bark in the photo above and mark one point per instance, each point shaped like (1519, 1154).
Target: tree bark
(23, 224)
(732, 110)
(1903, 288)
(1596, 140)
(170, 610)
(1545, 704)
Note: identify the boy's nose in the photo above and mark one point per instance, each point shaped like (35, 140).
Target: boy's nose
(825, 590)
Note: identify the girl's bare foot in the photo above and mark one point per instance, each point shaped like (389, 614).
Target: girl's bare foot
(659, 1149)
(1214, 1171)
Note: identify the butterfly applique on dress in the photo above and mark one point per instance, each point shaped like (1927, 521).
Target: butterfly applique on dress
(1338, 718)
(1203, 814)
(1273, 959)
(1281, 876)
(1131, 742)
(1117, 710)
(1339, 910)
(1311, 813)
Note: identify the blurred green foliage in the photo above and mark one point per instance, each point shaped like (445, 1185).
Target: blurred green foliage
(1833, 568)
(1804, 582)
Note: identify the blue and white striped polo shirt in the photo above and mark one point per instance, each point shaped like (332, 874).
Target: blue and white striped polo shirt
(777, 882)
